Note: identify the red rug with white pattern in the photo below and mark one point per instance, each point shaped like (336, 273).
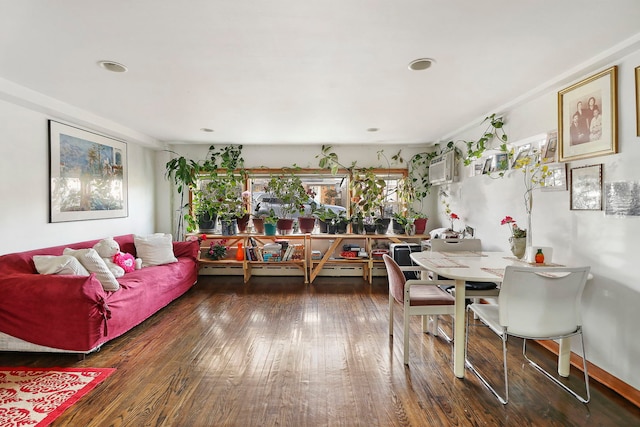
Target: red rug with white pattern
(37, 396)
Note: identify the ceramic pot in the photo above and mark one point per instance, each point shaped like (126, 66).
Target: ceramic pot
(306, 224)
(242, 223)
(284, 225)
(421, 225)
(397, 227)
(518, 246)
(269, 229)
(207, 223)
(382, 225)
(228, 227)
(258, 224)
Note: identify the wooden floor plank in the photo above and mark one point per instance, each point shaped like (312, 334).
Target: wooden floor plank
(277, 352)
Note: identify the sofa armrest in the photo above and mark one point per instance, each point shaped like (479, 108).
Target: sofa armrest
(187, 249)
(53, 310)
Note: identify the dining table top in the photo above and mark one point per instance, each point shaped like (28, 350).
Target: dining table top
(483, 266)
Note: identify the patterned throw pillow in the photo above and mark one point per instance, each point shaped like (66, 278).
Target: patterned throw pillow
(91, 260)
(64, 264)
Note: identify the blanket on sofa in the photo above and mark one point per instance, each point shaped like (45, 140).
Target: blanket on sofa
(74, 312)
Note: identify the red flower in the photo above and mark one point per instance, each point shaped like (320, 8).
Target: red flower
(507, 220)
(454, 216)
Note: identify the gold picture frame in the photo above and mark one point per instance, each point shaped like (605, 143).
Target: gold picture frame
(638, 100)
(583, 133)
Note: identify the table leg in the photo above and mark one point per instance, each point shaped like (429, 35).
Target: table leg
(564, 357)
(458, 338)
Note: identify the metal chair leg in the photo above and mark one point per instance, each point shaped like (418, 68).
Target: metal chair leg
(504, 400)
(555, 380)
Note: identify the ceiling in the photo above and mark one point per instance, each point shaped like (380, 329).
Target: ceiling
(300, 71)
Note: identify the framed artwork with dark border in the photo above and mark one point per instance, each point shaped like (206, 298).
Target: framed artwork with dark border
(638, 101)
(588, 117)
(88, 175)
(586, 188)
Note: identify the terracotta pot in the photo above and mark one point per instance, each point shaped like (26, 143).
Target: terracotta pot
(242, 223)
(284, 225)
(258, 224)
(306, 224)
(421, 225)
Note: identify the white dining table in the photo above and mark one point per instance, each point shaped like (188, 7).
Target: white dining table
(482, 266)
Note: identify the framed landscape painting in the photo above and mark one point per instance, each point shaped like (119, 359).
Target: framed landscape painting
(88, 175)
(587, 117)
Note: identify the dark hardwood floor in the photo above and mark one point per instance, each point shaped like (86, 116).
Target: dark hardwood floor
(277, 352)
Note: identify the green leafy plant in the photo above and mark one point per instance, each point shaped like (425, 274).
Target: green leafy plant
(223, 168)
(495, 129)
(288, 189)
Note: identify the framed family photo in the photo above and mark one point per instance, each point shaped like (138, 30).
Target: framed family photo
(88, 175)
(586, 188)
(587, 117)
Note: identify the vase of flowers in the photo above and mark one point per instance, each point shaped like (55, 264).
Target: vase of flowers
(218, 249)
(450, 233)
(518, 239)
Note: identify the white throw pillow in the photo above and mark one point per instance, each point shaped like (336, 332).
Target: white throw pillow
(63, 264)
(155, 249)
(90, 259)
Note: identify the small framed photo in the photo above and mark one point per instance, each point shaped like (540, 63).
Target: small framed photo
(500, 162)
(487, 165)
(587, 117)
(522, 152)
(549, 149)
(557, 179)
(586, 188)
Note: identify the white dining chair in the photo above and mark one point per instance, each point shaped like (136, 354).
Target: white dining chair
(540, 303)
(417, 298)
(473, 290)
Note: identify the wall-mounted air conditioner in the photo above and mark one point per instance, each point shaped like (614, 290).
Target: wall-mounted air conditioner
(442, 169)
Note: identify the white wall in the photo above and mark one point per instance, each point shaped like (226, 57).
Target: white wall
(24, 198)
(606, 243)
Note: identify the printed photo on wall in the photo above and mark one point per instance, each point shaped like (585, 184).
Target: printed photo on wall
(587, 117)
(88, 175)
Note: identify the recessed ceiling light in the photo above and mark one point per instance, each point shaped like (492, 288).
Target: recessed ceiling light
(421, 64)
(206, 130)
(112, 66)
(373, 130)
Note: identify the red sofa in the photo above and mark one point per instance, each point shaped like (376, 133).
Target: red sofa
(73, 313)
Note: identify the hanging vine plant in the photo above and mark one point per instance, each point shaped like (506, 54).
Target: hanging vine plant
(475, 149)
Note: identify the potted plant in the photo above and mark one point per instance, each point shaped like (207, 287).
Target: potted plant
(224, 164)
(307, 221)
(324, 216)
(368, 193)
(290, 193)
(270, 223)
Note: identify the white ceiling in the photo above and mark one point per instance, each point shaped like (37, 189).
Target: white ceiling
(303, 71)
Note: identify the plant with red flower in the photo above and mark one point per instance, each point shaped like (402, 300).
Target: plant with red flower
(516, 232)
(452, 218)
(218, 249)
